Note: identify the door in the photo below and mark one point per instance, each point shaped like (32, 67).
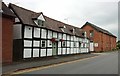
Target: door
(54, 48)
(91, 46)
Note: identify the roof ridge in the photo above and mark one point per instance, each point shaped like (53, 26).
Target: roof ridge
(104, 30)
(22, 8)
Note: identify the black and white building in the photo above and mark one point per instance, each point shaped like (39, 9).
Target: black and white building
(37, 36)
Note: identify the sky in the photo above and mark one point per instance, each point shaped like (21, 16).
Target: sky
(103, 13)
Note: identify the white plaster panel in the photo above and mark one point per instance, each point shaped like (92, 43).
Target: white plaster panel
(59, 44)
(68, 43)
(28, 32)
(64, 51)
(72, 50)
(49, 34)
(68, 50)
(36, 43)
(72, 37)
(60, 36)
(43, 52)
(27, 53)
(27, 43)
(49, 52)
(64, 36)
(17, 31)
(43, 33)
(35, 52)
(55, 34)
(37, 32)
(59, 51)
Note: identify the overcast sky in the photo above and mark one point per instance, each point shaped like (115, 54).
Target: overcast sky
(103, 13)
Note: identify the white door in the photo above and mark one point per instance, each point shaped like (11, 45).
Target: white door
(91, 46)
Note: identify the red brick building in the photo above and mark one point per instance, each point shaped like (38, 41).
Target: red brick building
(7, 20)
(103, 40)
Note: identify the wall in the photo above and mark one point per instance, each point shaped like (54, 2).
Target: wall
(7, 39)
(105, 42)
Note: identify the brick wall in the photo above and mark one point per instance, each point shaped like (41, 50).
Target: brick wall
(7, 39)
(105, 42)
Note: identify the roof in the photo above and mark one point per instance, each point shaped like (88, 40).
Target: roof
(6, 11)
(26, 17)
(98, 29)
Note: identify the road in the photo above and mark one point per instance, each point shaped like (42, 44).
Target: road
(105, 63)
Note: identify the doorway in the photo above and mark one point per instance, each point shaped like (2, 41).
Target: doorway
(54, 48)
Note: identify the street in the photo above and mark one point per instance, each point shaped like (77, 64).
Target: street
(105, 63)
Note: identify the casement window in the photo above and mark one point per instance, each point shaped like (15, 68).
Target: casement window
(40, 22)
(62, 29)
(74, 44)
(91, 33)
(43, 43)
(63, 44)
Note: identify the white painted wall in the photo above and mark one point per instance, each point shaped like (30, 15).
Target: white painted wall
(64, 36)
(28, 32)
(59, 36)
(27, 43)
(36, 43)
(49, 52)
(17, 31)
(37, 32)
(35, 52)
(64, 51)
(43, 33)
(27, 53)
(49, 34)
(59, 44)
(59, 51)
(43, 52)
(72, 38)
(54, 34)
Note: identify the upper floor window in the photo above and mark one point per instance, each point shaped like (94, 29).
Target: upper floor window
(40, 22)
(91, 33)
(43, 43)
(63, 44)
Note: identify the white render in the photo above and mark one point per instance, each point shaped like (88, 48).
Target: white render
(28, 32)
(27, 53)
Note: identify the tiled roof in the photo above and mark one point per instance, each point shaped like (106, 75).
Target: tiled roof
(6, 11)
(98, 29)
(26, 17)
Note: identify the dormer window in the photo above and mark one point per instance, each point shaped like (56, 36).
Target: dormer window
(62, 28)
(40, 22)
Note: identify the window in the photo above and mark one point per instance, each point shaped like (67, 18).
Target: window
(40, 22)
(62, 29)
(91, 33)
(63, 44)
(43, 43)
(74, 44)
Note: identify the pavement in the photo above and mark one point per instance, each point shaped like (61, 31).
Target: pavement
(21, 65)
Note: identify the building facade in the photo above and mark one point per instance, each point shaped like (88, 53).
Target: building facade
(37, 36)
(102, 39)
(7, 20)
